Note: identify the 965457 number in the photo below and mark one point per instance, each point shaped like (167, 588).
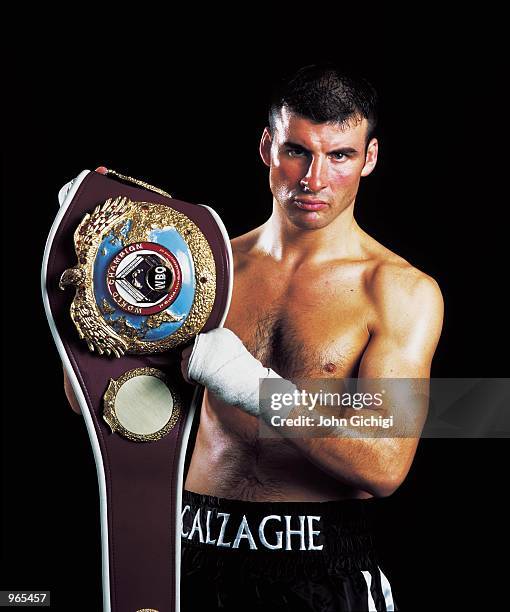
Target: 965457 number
(24, 598)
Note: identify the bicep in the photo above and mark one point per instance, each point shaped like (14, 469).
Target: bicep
(403, 342)
(386, 358)
(400, 350)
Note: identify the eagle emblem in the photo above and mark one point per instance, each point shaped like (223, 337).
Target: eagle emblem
(145, 279)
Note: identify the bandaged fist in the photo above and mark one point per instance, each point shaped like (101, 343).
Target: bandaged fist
(221, 362)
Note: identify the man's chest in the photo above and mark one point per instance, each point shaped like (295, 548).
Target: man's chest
(312, 325)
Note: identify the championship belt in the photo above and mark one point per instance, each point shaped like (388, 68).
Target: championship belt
(131, 275)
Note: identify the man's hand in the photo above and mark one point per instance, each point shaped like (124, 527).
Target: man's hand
(220, 361)
(71, 397)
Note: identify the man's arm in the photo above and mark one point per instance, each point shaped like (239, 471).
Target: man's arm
(402, 343)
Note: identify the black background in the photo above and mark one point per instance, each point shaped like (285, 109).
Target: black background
(185, 113)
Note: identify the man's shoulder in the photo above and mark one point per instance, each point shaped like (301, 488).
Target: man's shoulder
(244, 250)
(398, 277)
(245, 242)
(401, 292)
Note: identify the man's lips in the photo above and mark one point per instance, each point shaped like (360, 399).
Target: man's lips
(306, 204)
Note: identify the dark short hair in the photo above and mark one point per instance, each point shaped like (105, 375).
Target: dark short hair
(324, 94)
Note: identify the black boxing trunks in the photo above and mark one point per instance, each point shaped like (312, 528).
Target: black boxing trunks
(279, 556)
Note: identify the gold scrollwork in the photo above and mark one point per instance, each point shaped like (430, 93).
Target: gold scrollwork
(104, 335)
(137, 182)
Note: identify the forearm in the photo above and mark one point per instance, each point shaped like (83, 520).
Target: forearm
(363, 432)
(373, 464)
(361, 458)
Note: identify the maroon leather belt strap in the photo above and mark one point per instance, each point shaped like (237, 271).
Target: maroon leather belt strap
(148, 272)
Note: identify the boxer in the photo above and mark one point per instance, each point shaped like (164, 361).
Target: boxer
(282, 523)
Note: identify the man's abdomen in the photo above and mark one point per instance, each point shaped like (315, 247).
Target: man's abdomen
(230, 460)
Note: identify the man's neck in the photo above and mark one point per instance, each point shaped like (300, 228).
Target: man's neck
(285, 242)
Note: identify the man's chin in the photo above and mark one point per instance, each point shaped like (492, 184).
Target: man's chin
(308, 220)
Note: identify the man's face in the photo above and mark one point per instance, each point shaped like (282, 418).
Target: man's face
(315, 169)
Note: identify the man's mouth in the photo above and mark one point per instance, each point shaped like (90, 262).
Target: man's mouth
(309, 204)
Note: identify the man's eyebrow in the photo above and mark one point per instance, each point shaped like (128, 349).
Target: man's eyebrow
(343, 150)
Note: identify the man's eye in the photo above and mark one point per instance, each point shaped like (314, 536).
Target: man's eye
(338, 156)
(296, 152)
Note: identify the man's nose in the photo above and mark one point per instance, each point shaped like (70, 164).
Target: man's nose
(316, 178)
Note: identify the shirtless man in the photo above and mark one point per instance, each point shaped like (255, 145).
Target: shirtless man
(314, 296)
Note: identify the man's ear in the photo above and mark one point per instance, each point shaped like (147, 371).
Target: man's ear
(265, 147)
(370, 157)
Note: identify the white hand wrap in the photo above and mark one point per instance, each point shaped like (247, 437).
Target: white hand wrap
(221, 362)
